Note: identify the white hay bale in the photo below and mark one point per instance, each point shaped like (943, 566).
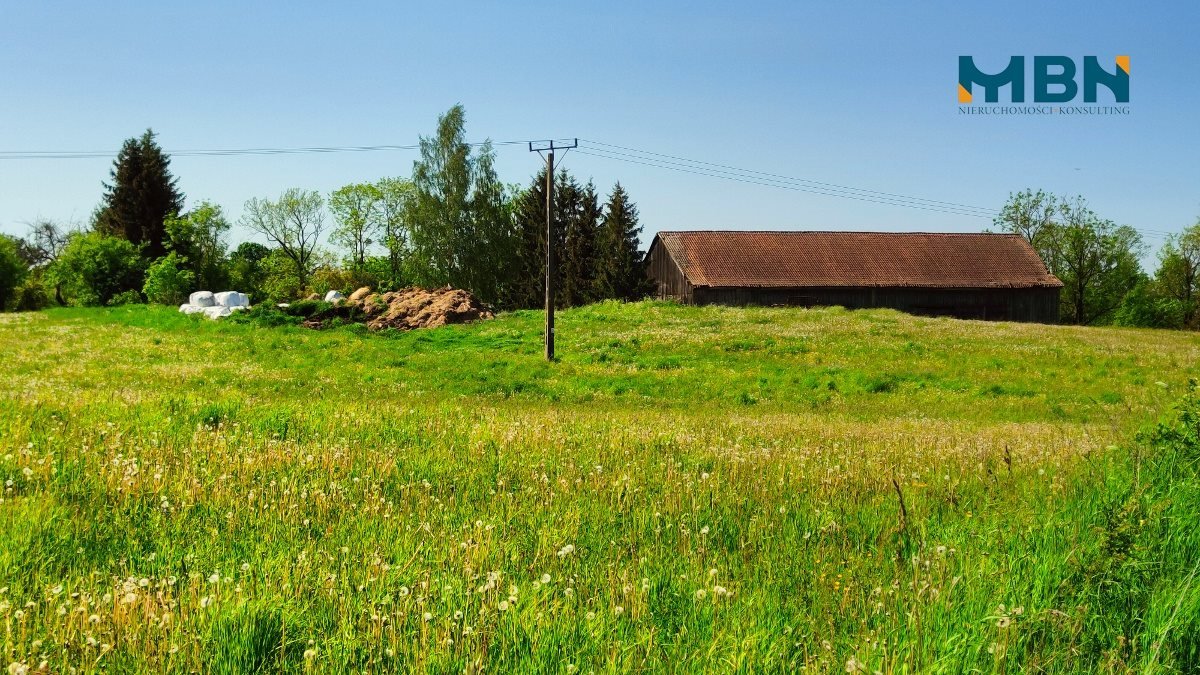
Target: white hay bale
(334, 296)
(189, 308)
(217, 312)
(201, 299)
(231, 299)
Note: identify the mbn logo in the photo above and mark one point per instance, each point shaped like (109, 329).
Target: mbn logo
(1062, 79)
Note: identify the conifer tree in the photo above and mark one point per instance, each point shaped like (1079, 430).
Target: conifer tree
(581, 220)
(619, 270)
(141, 196)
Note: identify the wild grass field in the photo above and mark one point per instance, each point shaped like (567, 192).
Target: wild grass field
(686, 490)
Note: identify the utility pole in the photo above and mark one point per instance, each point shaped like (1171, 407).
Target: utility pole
(549, 147)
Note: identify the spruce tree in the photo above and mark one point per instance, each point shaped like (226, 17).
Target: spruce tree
(525, 287)
(581, 220)
(619, 270)
(141, 196)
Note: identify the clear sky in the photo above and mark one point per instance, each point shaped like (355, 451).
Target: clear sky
(853, 94)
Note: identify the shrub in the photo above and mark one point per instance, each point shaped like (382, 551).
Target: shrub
(94, 268)
(168, 281)
(32, 295)
(130, 297)
(280, 282)
(12, 270)
(247, 272)
(1143, 308)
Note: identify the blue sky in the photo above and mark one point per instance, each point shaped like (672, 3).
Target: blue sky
(852, 94)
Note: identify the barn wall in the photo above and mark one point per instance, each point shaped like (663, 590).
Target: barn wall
(1004, 304)
(669, 281)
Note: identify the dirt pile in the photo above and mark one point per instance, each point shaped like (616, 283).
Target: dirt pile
(415, 307)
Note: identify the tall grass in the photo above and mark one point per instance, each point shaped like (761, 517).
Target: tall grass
(686, 490)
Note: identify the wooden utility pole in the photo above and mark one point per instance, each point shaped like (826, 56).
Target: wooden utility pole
(549, 147)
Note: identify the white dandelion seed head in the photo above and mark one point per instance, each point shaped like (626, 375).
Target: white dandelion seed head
(545, 579)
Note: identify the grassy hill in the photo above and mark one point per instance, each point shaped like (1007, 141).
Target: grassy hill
(687, 489)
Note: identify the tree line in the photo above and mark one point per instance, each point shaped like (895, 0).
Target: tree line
(451, 222)
(1098, 263)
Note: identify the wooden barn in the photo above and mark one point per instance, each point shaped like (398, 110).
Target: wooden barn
(969, 276)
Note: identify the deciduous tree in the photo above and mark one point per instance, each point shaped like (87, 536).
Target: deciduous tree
(294, 223)
(199, 237)
(357, 211)
(1179, 271)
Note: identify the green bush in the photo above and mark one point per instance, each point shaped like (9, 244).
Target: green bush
(168, 281)
(94, 268)
(32, 295)
(265, 315)
(1143, 308)
(279, 283)
(129, 297)
(12, 270)
(247, 272)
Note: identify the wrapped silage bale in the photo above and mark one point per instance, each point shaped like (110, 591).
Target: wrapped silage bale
(231, 299)
(201, 299)
(189, 308)
(217, 312)
(334, 296)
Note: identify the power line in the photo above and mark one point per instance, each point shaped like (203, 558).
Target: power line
(713, 173)
(750, 176)
(610, 151)
(225, 152)
(792, 179)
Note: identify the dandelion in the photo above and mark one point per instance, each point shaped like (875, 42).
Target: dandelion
(701, 593)
(545, 579)
(214, 577)
(57, 589)
(17, 668)
(205, 601)
(571, 668)
(566, 550)
(129, 598)
(720, 591)
(403, 592)
(618, 610)
(1003, 622)
(427, 616)
(309, 654)
(245, 567)
(712, 572)
(941, 550)
(94, 619)
(503, 605)
(591, 616)
(28, 472)
(704, 530)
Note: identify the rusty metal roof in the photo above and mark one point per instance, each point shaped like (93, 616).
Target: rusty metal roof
(726, 258)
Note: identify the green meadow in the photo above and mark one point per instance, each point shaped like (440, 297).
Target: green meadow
(685, 490)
